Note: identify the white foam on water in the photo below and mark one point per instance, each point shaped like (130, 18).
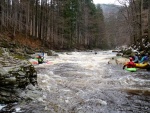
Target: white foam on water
(18, 109)
(2, 106)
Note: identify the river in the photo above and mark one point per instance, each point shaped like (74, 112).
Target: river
(84, 82)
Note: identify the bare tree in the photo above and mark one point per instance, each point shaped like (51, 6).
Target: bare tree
(133, 18)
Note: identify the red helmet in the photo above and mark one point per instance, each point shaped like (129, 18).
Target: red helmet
(131, 59)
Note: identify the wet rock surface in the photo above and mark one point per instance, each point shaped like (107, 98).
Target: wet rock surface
(15, 74)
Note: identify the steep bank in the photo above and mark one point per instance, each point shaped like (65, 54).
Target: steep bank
(20, 40)
(16, 73)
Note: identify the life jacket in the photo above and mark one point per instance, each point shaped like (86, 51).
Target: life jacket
(40, 60)
(136, 59)
(130, 64)
(144, 59)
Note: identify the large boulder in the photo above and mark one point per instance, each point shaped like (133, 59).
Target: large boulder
(118, 60)
(51, 53)
(15, 74)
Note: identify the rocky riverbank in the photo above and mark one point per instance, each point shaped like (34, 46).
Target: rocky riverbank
(18, 77)
(16, 73)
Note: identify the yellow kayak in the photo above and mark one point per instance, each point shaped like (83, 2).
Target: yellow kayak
(141, 65)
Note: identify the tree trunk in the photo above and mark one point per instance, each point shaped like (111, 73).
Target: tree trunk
(149, 20)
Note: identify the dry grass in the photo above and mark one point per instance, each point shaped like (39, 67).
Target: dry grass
(22, 40)
(28, 41)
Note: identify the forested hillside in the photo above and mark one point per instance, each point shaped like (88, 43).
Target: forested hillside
(110, 9)
(116, 27)
(56, 24)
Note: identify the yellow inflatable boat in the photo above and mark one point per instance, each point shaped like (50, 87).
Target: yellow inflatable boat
(141, 65)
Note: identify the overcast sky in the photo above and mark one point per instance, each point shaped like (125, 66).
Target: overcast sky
(105, 2)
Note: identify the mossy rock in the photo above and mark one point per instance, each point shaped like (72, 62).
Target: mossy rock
(127, 52)
(4, 44)
(29, 51)
(21, 57)
(49, 53)
(1, 51)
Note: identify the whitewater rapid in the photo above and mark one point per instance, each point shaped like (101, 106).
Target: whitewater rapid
(84, 82)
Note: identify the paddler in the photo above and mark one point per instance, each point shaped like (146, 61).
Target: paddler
(40, 59)
(129, 64)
